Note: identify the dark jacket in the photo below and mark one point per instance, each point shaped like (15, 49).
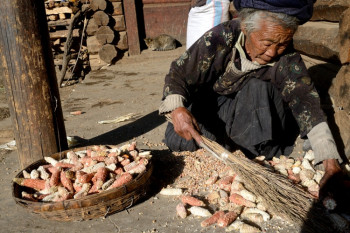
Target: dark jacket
(204, 63)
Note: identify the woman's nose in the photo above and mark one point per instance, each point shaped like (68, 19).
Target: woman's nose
(271, 51)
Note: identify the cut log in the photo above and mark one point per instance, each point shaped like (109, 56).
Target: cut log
(329, 10)
(91, 27)
(62, 16)
(344, 37)
(118, 23)
(96, 5)
(123, 41)
(85, 7)
(50, 5)
(105, 35)
(52, 17)
(64, 22)
(315, 39)
(117, 8)
(107, 53)
(101, 18)
(95, 62)
(93, 45)
(63, 34)
(59, 10)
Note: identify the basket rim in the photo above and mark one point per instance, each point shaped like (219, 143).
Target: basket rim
(123, 190)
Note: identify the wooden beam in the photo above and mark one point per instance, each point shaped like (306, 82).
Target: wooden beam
(132, 27)
(26, 63)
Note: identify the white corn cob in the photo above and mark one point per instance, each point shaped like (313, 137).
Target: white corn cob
(43, 173)
(51, 161)
(26, 174)
(199, 211)
(247, 195)
(34, 174)
(265, 215)
(171, 191)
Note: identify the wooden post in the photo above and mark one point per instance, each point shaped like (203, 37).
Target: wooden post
(132, 27)
(26, 63)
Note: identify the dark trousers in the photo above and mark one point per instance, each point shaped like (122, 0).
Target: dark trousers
(254, 120)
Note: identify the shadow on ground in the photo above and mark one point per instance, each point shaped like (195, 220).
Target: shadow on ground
(126, 132)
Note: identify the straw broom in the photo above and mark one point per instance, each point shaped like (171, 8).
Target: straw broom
(279, 194)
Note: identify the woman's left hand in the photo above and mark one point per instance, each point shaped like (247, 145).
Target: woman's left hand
(335, 184)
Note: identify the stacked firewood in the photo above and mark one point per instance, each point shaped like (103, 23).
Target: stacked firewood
(106, 32)
(59, 16)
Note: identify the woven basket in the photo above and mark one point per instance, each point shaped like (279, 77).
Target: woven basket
(88, 207)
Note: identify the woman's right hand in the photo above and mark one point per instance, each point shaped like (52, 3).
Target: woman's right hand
(185, 124)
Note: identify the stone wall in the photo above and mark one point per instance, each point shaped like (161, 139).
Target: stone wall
(327, 37)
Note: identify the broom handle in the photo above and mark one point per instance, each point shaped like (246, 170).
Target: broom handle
(216, 155)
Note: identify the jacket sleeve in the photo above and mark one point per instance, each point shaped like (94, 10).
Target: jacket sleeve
(201, 64)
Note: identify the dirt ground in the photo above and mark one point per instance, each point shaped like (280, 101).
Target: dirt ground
(132, 85)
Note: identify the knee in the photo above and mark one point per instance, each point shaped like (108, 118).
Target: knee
(255, 85)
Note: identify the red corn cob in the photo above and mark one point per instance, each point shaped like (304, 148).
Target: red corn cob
(31, 183)
(239, 200)
(181, 210)
(67, 183)
(55, 176)
(213, 219)
(227, 219)
(123, 179)
(186, 199)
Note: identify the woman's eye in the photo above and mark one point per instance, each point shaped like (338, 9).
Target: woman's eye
(267, 44)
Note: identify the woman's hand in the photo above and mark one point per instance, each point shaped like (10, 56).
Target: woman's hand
(335, 184)
(332, 168)
(185, 124)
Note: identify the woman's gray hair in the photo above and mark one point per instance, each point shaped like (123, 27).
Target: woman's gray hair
(251, 18)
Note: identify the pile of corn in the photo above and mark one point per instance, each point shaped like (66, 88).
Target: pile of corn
(83, 173)
(214, 192)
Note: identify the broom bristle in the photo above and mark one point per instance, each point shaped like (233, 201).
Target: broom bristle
(280, 195)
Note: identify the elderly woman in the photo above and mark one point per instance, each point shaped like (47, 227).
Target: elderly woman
(242, 84)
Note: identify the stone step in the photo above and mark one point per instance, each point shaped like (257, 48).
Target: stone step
(329, 10)
(318, 39)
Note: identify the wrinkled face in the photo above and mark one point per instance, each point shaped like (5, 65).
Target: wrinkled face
(268, 42)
